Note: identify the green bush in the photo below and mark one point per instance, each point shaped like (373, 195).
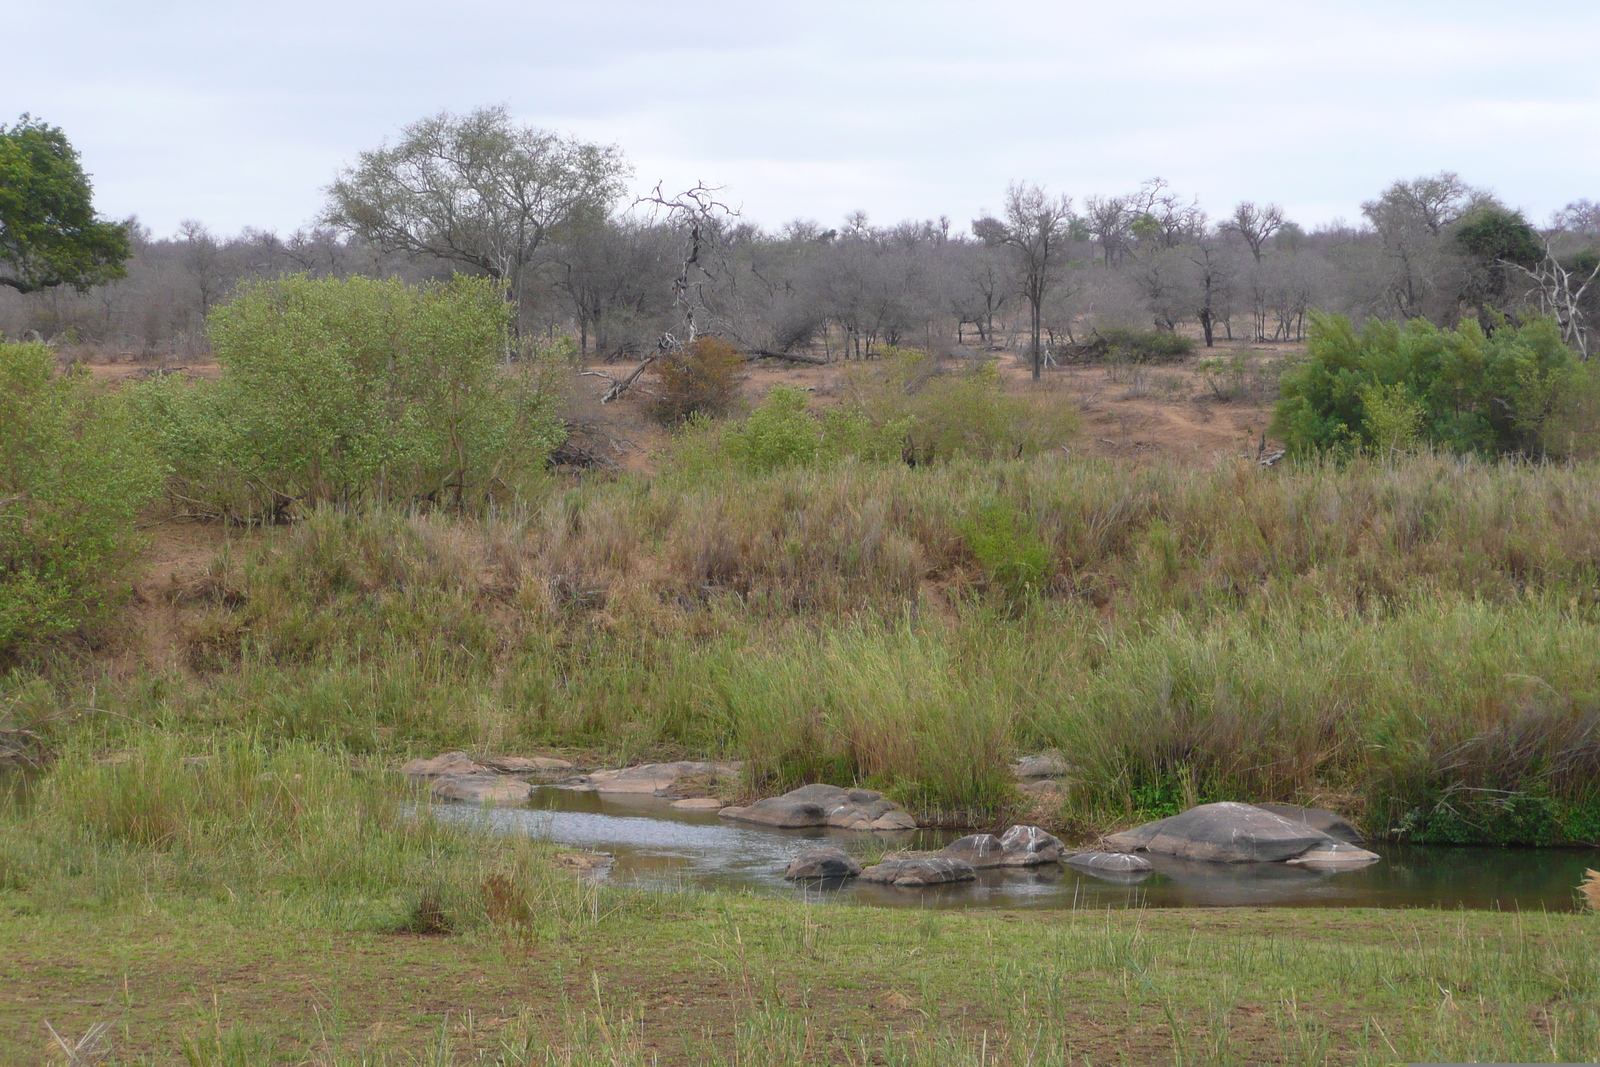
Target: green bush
(1010, 549)
(701, 379)
(341, 391)
(1460, 390)
(1140, 346)
(72, 479)
(781, 433)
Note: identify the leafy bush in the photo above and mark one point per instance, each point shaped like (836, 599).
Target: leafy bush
(960, 413)
(1459, 390)
(702, 379)
(781, 432)
(72, 479)
(337, 391)
(1116, 344)
(1010, 549)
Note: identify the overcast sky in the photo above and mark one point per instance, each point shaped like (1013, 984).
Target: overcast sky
(241, 113)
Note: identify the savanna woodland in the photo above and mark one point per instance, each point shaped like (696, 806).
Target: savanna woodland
(496, 458)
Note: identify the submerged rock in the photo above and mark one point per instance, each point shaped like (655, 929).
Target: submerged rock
(920, 871)
(482, 787)
(1334, 825)
(825, 805)
(447, 763)
(823, 863)
(1225, 832)
(698, 804)
(1111, 862)
(1335, 855)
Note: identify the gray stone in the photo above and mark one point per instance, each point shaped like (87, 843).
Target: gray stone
(825, 805)
(448, 763)
(1042, 787)
(538, 765)
(920, 871)
(823, 863)
(650, 779)
(1114, 862)
(1029, 846)
(1334, 825)
(1225, 832)
(979, 850)
(1334, 856)
(1043, 765)
(698, 804)
(482, 787)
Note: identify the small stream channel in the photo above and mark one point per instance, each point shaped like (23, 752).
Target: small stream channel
(658, 847)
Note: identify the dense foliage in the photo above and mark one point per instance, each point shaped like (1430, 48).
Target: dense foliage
(49, 234)
(71, 481)
(1392, 386)
(342, 391)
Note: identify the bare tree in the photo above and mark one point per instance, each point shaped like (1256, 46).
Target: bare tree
(1559, 292)
(477, 189)
(1255, 224)
(1035, 227)
(1107, 220)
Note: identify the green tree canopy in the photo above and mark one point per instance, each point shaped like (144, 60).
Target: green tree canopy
(49, 233)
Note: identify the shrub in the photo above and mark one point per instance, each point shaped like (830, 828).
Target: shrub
(1115, 344)
(72, 479)
(1460, 390)
(338, 391)
(1009, 548)
(702, 379)
(782, 433)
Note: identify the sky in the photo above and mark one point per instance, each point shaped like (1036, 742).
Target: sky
(240, 114)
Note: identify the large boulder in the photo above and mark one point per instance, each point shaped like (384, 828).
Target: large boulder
(482, 787)
(1334, 856)
(1029, 846)
(650, 779)
(825, 805)
(823, 863)
(1108, 862)
(447, 763)
(1225, 832)
(1334, 825)
(1043, 765)
(530, 765)
(976, 850)
(914, 871)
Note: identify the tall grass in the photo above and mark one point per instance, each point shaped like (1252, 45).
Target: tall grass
(1416, 640)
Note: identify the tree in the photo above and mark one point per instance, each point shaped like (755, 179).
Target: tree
(49, 233)
(478, 190)
(1035, 226)
(1255, 224)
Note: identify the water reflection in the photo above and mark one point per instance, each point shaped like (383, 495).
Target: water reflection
(656, 846)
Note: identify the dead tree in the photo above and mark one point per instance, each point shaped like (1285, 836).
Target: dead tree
(1560, 294)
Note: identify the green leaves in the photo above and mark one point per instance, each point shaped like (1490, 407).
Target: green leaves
(49, 234)
(72, 479)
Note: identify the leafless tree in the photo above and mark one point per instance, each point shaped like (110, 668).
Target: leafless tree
(1035, 227)
(1106, 218)
(1255, 225)
(1559, 292)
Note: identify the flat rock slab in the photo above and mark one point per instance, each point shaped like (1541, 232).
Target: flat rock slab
(825, 805)
(447, 763)
(823, 863)
(1043, 765)
(483, 787)
(1112, 862)
(920, 871)
(698, 804)
(650, 778)
(1225, 832)
(1334, 856)
(1334, 825)
(526, 764)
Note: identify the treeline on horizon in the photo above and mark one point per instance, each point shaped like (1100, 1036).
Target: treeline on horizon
(604, 269)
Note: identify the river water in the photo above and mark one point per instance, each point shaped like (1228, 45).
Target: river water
(657, 847)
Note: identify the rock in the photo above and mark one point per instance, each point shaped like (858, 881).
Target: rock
(1225, 832)
(482, 787)
(825, 805)
(978, 850)
(1334, 856)
(1114, 862)
(526, 765)
(1029, 846)
(448, 763)
(920, 871)
(1044, 765)
(1334, 825)
(1042, 787)
(649, 778)
(698, 804)
(823, 863)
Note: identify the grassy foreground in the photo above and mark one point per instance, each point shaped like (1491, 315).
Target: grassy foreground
(252, 908)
